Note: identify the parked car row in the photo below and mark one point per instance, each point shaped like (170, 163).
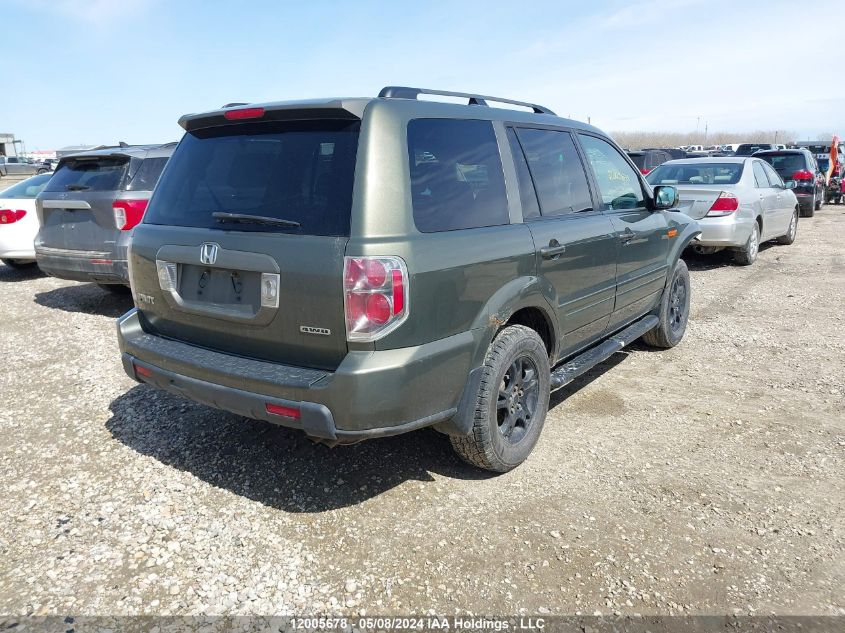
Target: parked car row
(16, 165)
(359, 268)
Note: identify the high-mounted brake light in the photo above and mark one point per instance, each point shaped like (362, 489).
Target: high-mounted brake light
(9, 216)
(644, 171)
(244, 113)
(128, 213)
(375, 295)
(725, 204)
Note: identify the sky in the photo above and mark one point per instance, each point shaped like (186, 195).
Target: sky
(103, 71)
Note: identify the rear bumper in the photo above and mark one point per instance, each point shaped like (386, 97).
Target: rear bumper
(371, 394)
(100, 267)
(728, 231)
(805, 199)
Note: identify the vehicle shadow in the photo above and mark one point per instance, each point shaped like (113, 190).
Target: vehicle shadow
(87, 298)
(273, 465)
(560, 396)
(7, 273)
(721, 259)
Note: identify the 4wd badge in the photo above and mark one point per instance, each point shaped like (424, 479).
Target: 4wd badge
(307, 329)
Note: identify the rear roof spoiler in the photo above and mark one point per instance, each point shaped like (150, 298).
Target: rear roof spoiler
(279, 111)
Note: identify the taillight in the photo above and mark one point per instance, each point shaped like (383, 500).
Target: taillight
(244, 113)
(803, 175)
(8, 216)
(644, 171)
(375, 295)
(128, 213)
(725, 204)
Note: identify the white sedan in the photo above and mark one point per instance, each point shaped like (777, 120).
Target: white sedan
(19, 222)
(739, 203)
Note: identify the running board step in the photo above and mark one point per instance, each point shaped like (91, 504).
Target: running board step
(581, 364)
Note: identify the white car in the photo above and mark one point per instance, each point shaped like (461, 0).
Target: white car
(739, 203)
(19, 222)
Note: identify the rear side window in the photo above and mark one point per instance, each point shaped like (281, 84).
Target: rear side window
(302, 171)
(101, 173)
(774, 179)
(760, 176)
(618, 183)
(530, 207)
(146, 177)
(456, 175)
(557, 171)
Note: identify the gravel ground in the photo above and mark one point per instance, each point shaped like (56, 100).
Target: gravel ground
(704, 479)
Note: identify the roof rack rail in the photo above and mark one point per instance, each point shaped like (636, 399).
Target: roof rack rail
(403, 92)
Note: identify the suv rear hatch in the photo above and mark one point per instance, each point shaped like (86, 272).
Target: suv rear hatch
(241, 249)
(76, 205)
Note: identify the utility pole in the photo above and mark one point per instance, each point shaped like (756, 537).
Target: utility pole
(697, 123)
(705, 132)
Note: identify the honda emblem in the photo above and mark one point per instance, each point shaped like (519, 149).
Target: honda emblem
(208, 253)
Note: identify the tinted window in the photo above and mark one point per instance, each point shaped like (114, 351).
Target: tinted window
(774, 179)
(618, 183)
(456, 175)
(638, 159)
(760, 176)
(695, 174)
(101, 173)
(146, 177)
(557, 171)
(293, 170)
(28, 188)
(786, 164)
(530, 207)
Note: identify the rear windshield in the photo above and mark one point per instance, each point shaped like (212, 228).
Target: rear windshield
(696, 174)
(746, 149)
(639, 160)
(26, 189)
(300, 171)
(146, 177)
(785, 163)
(101, 173)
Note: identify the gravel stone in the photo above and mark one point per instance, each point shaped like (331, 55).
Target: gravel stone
(702, 479)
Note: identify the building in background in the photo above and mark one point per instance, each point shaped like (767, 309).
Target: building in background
(7, 144)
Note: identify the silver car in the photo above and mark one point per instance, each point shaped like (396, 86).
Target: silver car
(739, 202)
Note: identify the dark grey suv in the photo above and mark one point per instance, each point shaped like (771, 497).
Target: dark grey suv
(357, 268)
(89, 208)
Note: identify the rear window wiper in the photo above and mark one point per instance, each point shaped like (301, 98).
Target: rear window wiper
(77, 187)
(224, 216)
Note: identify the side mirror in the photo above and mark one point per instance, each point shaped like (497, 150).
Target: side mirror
(665, 197)
(790, 184)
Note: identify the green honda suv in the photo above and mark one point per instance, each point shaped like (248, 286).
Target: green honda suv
(357, 268)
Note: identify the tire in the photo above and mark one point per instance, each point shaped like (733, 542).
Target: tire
(747, 255)
(13, 263)
(818, 204)
(810, 211)
(116, 289)
(791, 232)
(511, 403)
(674, 310)
(42, 171)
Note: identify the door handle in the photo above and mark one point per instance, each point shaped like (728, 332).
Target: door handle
(553, 250)
(627, 236)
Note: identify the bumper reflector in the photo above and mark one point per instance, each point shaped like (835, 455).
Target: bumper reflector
(142, 371)
(287, 412)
